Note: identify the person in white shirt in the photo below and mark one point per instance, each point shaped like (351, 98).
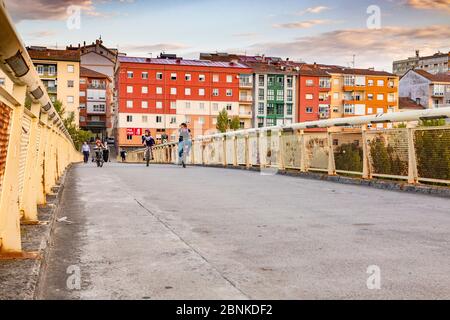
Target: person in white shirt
(86, 149)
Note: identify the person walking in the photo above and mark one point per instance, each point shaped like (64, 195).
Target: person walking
(184, 143)
(123, 155)
(86, 149)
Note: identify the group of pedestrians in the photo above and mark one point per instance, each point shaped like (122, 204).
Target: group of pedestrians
(86, 150)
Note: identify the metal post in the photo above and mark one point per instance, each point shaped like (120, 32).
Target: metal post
(331, 162)
(413, 175)
(367, 174)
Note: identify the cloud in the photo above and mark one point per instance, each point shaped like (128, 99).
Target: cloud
(317, 9)
(41, 34)
(54, 9)
(301, 24)
(373, 47)
(429, 4)
(245, 35)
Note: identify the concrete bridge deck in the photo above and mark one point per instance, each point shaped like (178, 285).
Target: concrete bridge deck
(205, 233)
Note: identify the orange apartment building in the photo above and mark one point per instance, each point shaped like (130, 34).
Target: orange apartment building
(161, 93)
(95, 102)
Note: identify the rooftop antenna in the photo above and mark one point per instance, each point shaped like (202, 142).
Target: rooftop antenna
(354, 61)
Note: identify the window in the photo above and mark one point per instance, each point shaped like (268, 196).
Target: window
(40, 69)
(380, 110)
(280, 95)
(261, 94)
(82, 93)
(70, 99)
(280, 81)
(144, 119)
(370, 96)
(336, 96)
(214, 121)
(70, 68)
(129, 89)
(215, 78)
(188, 105)
(188, 77)
(290, 81)
(173, 105)
(145, 90)
(158, 119)
(201, 92)
(202, 78)
(187, 91)
(391, 97)
(82, 106)
(173, 76)
(159, 90)
(229, 79)
(261, 80)
(229, 92)
(215, 106)
(270, 80)
(261, 108)
(289, 109)
(309, 96)
(309, 110)
(129, 118)
(159, 105)
(271, 94)
(310, 82)
(173, 120)
(173, 91)
(369, 110)
(215, 92)
(129, 137)
(130, 74)
(70, 84)
(201, 120)
(370, 82)
(202, 106)
(380, 97)
(144, 105)
(260, 122)
(159, 76)
(380, 83)
(82, 81)
(336, 82)
(229, 107)
(144, 75)
(130, 104)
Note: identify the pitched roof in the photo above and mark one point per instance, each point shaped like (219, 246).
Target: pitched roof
(43, 53)
(440, 77)
(356, 71)
(182, 62)
(313, 70)
(406, 103)
(85, 72)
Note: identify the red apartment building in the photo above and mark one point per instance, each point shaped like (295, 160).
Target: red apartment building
(95, 102)
(160, 94)
(313, 91)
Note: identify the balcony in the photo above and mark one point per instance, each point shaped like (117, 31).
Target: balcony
(245, 99)
(99, 86)
(51, 90)
(245, 114)
(245, 84)
(96, 124)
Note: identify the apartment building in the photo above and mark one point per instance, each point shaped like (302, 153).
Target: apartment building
(434, 64)
(314, 99)
(160, 94)
(59, 70)
(95, 102)
(97, 57)
(274, 87)
(429, 90)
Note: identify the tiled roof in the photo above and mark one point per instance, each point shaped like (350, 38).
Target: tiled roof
(182, 62)
(406, 103)
(440, 77)
(42, 53)
(355, 71)
(85, 72)
(313, 70)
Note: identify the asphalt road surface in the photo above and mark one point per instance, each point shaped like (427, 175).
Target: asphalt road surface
(203, 233)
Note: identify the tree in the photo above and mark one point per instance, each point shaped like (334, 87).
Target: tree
(222, 121)
(235, 123)
(78, 136)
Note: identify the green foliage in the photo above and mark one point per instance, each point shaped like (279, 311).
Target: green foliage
(385, 160)
(235, 123)
(222, 121)
(348, 157)
(78, 136)
(433, 153)
(432, 123)
(401, 126)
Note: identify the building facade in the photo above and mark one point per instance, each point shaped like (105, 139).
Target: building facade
(160, 94)
(95, 102)
(434, 64)
(59, 70)
(429, 90)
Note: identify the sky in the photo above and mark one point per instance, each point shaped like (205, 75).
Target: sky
(376, 32)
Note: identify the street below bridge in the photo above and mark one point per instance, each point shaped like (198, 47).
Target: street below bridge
(165, 232)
